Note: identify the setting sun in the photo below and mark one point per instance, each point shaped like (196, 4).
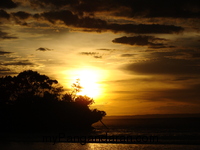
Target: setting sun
(89, 81)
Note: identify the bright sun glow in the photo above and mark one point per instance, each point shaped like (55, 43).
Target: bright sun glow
(89, 80)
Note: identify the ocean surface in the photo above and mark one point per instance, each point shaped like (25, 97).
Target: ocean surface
(125, 132)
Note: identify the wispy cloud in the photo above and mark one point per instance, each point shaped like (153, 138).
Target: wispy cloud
(43, 49)
(89, 53)
(5, 35)
(106, 49)
(6, 71)
(162, 63)
(19, 63)
(128, 55)
(5, 53)
(94, 54)
(150, 41)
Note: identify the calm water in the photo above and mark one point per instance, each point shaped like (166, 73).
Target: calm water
(89, 146)
(150, 126)
(170, 133)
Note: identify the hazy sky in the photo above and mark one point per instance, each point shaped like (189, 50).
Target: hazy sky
(132, 56)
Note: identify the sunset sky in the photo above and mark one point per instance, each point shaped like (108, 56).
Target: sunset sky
(134, 57)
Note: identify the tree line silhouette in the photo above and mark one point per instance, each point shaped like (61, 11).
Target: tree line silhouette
(34, 102)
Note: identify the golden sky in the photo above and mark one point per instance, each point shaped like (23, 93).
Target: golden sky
(133, 56)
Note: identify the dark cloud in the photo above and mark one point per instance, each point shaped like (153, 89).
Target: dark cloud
(170, 8)
(143, 8)
(4, 53)
(94, 54)
(184, 78)
(21, 15)
(189, 94)
(89, 53)
(150, 41)
(53, 3)
(90, 6)
(178, 62)
(93, 24)
(7, 4)
(5, 35)
(19, 63)
(185, 54)
(129, 8)
(157, 46)
(43, 49)
(196, 55)
(4, 69)
(4, 14)
(98, 57)
(145, 28)
(64, 15)
(165, 66)
(80, 14)
(79, 6)
(128, 55)
(150, 50)
(136, 40)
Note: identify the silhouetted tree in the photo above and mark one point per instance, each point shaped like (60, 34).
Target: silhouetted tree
(98, 114)
(84, 100)
(71, 95)
(28, 87)
(67, 98)
(6, 88)
(30, 100)
(76, 87)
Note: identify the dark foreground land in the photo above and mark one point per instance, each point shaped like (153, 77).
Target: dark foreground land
(47, 117)
(123, 129)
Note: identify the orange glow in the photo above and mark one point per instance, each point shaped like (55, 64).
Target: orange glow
(89, 80)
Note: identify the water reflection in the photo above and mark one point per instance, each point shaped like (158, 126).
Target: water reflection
(91, 146)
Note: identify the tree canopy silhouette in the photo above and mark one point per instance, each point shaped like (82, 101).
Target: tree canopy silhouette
(28, 87)
(31, 100)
